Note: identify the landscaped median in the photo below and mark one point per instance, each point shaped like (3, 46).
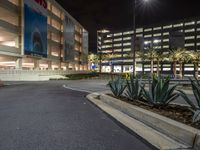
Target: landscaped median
(160, 131)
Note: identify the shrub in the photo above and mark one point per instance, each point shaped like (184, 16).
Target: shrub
(160, 93)
(134, 90)
(196, 91)
(117, 86)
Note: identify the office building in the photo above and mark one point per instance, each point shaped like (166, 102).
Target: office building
(40, 35)
(163, 37)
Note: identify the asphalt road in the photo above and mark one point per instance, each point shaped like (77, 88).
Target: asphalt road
(46, 116)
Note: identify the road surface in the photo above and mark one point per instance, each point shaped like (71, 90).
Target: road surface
(46, 116)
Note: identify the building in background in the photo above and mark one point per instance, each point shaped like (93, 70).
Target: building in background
(40, 35)
(179, 34)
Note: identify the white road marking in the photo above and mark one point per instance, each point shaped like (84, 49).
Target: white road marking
(74, 89)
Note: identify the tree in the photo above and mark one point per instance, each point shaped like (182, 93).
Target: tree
(152, 55)
(159, 57)
(180, 56)
(195, 58)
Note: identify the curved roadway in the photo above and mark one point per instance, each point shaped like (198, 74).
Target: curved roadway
(46, 116)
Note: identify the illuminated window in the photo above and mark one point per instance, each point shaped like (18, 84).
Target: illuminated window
(126, 49)
(109, 35)
(126, 44)
(118, 50)
(146, 36)
(165, 40)
(106, 46)
(189, 23)
(139, 35)
(8, 16)
(9, 39)
(189, 44)
(147, 30)
(178, 25)
(128, 32)
(119, 39)
(189, 38)
(127, 38)
(166, 33)
(55, 37)
(167, 27)
(157, 28)
(117, 34)
(117, 45)
(56, 11)
(166, 46)
(107, 41)
(56, 24)
(158, 34)
(189, 30)
(139, 30)
(157, 47)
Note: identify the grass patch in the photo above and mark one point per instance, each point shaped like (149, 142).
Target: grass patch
(82, 76)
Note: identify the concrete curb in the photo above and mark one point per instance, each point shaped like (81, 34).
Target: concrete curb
(188, 137)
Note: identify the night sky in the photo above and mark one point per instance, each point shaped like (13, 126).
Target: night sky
(117, 14)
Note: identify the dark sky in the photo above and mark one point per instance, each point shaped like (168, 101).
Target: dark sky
(118, 14)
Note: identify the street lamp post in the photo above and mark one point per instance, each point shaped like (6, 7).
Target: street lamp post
(134, 34)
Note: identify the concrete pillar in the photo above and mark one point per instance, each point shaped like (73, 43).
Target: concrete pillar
(19, 63)
(36, 64)
(49, 65)
(67, 66)
(17, 42)
(59, 66)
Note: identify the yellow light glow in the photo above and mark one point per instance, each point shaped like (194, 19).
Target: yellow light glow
(8, 63)
(9, 43)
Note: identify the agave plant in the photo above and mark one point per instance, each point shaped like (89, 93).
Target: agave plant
(134, 90)
(160, 93)
(196, 91)
(117, 86)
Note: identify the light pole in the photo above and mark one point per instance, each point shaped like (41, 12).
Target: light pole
(134, 34)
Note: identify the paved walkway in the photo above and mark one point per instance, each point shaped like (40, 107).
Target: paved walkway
(46, 116)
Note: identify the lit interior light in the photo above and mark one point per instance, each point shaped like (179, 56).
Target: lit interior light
(156, 41)
(43, 65)
(28, 65)
(8, 63)
(54, 54)
(9, 43)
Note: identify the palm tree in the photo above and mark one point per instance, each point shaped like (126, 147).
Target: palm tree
(195, 58)
(152, 55)
(180, 56)
(93, 58)
(159, 57)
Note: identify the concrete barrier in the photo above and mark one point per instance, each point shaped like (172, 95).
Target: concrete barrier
(34, 75)
(175, 130)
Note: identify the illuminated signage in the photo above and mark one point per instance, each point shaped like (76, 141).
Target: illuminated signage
(43, 3)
